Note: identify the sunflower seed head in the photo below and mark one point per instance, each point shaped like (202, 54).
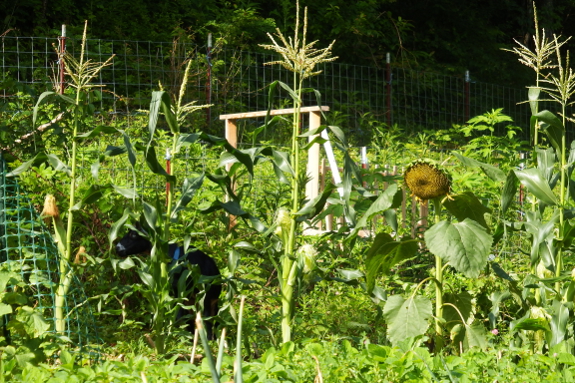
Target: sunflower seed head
(427, 180)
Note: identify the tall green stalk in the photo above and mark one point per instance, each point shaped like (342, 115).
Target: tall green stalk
(560, 91)
(175, 114)
(438, 278)
(81, 73)
(301, 58)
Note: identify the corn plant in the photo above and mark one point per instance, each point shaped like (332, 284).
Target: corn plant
(301, 58)
(549, 289)
(79, 101)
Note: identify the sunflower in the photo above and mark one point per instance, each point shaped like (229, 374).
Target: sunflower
(426, 180)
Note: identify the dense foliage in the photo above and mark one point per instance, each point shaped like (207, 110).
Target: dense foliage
(480, 288)
(447, 35)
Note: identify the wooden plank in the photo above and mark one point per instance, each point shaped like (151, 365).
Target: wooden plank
(312, 186)
(275, 112)
(232, 133)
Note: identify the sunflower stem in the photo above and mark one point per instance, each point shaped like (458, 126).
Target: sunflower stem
(439, 284)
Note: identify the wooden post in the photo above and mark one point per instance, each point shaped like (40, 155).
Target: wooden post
(315, 121)
(232, 132)
(232, 137)
(312, 187)
(329, 217)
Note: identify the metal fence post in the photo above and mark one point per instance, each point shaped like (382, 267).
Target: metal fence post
(466, 96)
(388, 86)
(61, 58)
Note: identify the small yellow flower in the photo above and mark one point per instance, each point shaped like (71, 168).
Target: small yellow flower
(426, 180)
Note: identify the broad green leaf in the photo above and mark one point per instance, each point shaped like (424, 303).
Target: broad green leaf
(542, 238)
(491, 171)
(98, 131)
(552, 126)
(95, 169)
(151, 215)
(465, 245)
(15, 298)
(384, 201)
(189, 188)
(66, 358)
(91, 195)
(147, 279)
(156, 167)
(496, 298)
(130, 149)
(530, 324)
(25, 358)
(313, 132)
(378, 352)
(509, 190)
(384, 254)
(234, 258)
(566, 358)
(290, 91)
(546, 162)
(112, 151)
(281, 160)
(52, 159)
(350, 275)
(535, 182)
(467, 205)
(58, 165)
(475, 336)
(129, 193)
(169, 114)
(533, 95)
(155, 106)
(8, 278)
(186, 140)
(246, 246)
(22, 168)
(559, 322)
(42, 97)
(500, 272)
(390, 216)
(126, 263)
(117, 226)
(463, 303)
(233, 208)
(338, 132)
(5, 309)
(406, 318)
(315, 206)
(234, 155)
(34, 323)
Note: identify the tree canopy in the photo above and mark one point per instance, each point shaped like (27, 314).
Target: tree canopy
(449, 36)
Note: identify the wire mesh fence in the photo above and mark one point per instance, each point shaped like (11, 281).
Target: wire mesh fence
(235, 81)
(27, 248)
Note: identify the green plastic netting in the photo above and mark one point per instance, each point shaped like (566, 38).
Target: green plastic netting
(27, 246)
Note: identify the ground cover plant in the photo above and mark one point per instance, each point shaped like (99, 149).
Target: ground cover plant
(296, 307)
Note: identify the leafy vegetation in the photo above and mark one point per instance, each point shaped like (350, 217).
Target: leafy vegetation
(357, 302)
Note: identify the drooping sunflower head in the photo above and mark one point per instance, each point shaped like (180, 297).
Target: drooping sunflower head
(427, 180)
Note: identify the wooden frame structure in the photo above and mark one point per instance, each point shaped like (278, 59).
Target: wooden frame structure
(312, 187)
